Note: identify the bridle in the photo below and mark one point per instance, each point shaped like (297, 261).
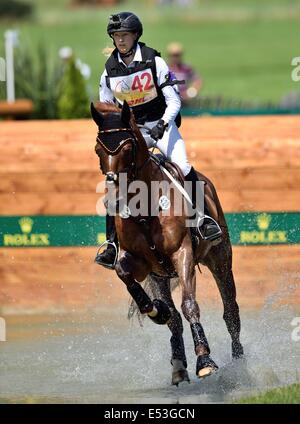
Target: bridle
(112, 177)
(133, 169)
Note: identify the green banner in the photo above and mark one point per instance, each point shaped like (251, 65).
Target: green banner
(252, 228)
(249, 228)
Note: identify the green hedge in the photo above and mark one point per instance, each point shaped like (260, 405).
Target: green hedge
(15, 9)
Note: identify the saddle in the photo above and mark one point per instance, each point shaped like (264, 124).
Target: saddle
(178, 176)
(174, 169)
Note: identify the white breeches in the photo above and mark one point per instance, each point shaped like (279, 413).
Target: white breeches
(171, 145)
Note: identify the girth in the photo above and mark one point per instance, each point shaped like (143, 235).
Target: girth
(162, 259)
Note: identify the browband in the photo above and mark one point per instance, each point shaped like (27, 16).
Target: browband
(114, 130)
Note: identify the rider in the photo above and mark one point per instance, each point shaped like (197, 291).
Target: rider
(136, 73)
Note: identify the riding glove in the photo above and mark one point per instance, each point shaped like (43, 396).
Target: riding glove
(158, 130)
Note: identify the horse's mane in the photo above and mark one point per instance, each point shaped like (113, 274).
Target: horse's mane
(106, 107)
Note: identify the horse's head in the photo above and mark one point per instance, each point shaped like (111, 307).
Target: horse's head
(119, 143)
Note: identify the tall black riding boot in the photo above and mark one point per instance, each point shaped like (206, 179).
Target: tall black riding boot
(209, 229)
(108, 257)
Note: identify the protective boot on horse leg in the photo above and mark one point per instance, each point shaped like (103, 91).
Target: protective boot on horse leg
(162, 290)
(190, 308)
(108, 257)
(127, 269)
(205, 366)
(209, 228)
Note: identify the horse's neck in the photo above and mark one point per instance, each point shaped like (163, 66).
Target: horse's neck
(151, 172)
(148, 169)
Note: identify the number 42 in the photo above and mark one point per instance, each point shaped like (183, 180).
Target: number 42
(142, 83)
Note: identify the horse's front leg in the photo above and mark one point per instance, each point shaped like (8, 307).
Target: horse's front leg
(184, 264)
(178, 358)
(130, 270)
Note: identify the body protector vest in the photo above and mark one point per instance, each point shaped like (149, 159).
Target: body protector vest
(138, 85)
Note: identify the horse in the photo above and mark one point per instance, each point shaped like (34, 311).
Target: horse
(161, 247)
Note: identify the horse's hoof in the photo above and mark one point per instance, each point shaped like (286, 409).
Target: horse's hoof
(179, 372)
(237, 350)
(205, 366)
(163, 312)
(179, 377)
(205, 372)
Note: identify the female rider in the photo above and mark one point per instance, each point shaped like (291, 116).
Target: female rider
(136, 73)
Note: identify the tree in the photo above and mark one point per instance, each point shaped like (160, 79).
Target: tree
(73, 101)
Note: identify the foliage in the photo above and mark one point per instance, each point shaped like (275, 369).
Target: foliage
(37, 78)
(73, 101)
(15, 9)
(242, 50)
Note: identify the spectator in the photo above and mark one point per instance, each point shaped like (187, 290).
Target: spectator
(182, 71)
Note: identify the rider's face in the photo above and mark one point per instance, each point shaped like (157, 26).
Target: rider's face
(124, 41)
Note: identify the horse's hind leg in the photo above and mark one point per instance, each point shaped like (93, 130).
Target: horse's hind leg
(219, 261)
(178, 359)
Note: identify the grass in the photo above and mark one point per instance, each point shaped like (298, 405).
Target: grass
(283, 395)
(289, 394)
(242, 49)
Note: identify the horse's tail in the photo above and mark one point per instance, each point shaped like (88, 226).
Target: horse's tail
(151, 287)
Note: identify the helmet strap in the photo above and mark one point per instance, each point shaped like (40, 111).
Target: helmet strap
(130, 52)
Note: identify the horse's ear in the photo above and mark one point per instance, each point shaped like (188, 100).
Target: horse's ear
(97, 116)
(125, 115)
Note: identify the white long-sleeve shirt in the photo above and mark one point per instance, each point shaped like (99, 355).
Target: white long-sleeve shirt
(170, 93)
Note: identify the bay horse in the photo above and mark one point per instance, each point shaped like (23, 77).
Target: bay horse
(161, 246)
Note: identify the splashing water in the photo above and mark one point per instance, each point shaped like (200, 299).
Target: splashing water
(107, 359)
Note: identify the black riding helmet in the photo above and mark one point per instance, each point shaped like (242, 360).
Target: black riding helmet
(124, 21)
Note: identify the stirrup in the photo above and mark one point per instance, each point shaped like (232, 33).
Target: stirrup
(107, 242)
(213, 237)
